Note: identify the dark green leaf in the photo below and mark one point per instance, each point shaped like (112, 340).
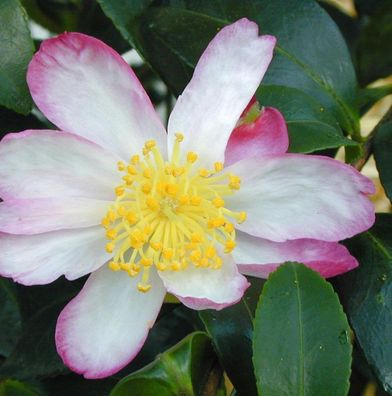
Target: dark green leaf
(310, 127)
(233, 326)
(301, 336)
(35, 353)
(10, 319)
(370, 7)
(382, 147)
(185, 369)
(15, 388)
(16, 51)
(313, 58)
(367, 296)
(369, 96)
(374, 52)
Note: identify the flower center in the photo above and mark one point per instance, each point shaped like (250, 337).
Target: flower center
(170, 214)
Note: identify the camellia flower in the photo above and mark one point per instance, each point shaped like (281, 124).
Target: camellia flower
(148, 212)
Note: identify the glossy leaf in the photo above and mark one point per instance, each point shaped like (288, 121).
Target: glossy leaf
(374, 51)
(185, 369)
(310, 127)
(234, 326)
(301, 340)
(10, 318)
(313, 58)
(16, 51)
(15, 388)
(367, 296)
(382, 147)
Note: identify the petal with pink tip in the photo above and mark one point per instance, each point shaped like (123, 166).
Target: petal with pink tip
(225, 79)
(34, 216)
(205, 288)
(294, 196)
(104, 327)
(46, 163)
(85, 87)
(267, 134)
(42, 258)
(258, 257)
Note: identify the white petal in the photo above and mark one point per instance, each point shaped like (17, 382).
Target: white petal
(46, 163)
(85, 87)
(293, 196)
(225, 78)
(34, 216)
(103, 328)
(204, 288)
(42, 258)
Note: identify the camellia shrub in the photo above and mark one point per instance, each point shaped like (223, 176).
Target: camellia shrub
(183, 208)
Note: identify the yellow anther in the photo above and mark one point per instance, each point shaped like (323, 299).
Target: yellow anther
(210, 252)
(168, 253)
(153, 204)
(204, 172)
(147, 173)
(218, 166)
(111, 215)
(146, 187)
(125, 266)
(161, 266)
(132, 170)
(120, 190)
(131, 217)
(134, 269)
(179, 137)
(229, 227)
(184, 200)
(114, 266)
(144, 288)
(145, 151)
(195, 200)
(234, 182)
(229, 246)
(191, 157)
(105, 222)
(111, 233)
(216, 222)
(195, 256)
(150, 144)
(171, 189)
(147, 230)
(218, 262)
(128, 179)
(203, 262)
(175, 266)
(196, 237)
(110, 247)
(120, 166)
(146, 262)
(121, 211)
(241, 217)
(169, 169)
(157, 246)
(178, 171)
(218, 202)
(135, 159)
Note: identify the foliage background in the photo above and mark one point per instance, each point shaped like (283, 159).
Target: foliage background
(331, 69)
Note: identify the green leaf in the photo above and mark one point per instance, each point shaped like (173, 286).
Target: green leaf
(35, 353)
(301, 340)
(313, 59)
(367, 296)
(374, 51)
(10, 318)
(382, 149)
(370, 96)
(15, 388)
(310, 127)
(16, 51)
(186, 369)
(234, 326)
